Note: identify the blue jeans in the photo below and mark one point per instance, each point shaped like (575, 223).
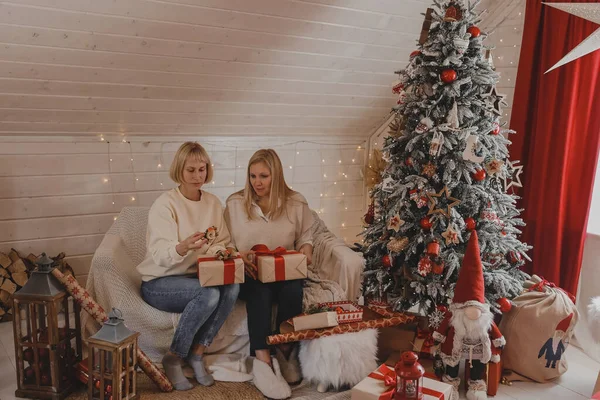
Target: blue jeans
(203, 309)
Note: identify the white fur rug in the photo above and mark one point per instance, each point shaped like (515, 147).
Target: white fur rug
(339, 360)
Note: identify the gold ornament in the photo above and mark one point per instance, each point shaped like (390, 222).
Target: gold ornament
(452, 202)
(397, 126)
(396, 245)
(374, 169)
(429, 169)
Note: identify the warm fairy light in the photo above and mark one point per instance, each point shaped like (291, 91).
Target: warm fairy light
(161, 184)
(321, 195)
(353, 160)
(324, 175)
(346, 208)
(323, 160)
(159, 165)
(132, 198)
(343, 225)
(297, 152)
(340, 161)
(111, 159)
(290, 167)
(124, 141)
(114, 218)
(105, 180)
(101, 139)
(137, 179)
(113, 203)
(335, 183)
(132, 159)
(359, 147)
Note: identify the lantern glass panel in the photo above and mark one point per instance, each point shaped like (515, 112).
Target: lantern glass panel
(411, 389)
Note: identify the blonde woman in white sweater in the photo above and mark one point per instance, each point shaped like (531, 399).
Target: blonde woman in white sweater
(175, 239)
(268, 212)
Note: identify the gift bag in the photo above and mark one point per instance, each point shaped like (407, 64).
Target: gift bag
(538, 329)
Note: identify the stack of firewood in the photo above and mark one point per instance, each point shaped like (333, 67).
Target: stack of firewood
(14, 273)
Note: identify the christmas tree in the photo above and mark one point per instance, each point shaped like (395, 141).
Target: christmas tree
(447, 174)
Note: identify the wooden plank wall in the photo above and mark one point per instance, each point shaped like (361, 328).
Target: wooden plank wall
(58, 196)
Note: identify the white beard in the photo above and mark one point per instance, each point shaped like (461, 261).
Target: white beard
(472, 329)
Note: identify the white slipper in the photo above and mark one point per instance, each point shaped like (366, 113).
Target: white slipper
(271, 384)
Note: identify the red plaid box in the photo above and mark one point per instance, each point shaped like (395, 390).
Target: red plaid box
(347, 311)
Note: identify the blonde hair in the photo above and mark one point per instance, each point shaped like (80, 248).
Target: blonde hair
(280, 191)
(186, 151)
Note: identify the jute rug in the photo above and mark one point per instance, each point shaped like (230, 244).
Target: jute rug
(220, 391)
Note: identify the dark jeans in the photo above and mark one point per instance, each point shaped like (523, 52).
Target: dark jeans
(203, 309)
(477, 370)
(260, 298)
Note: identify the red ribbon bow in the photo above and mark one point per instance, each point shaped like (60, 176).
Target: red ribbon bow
(428, 341)
(540, 288)
(388, 376)
(277, 254)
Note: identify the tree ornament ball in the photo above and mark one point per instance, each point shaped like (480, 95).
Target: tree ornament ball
(408, 162)
(425, 223)
(433, 248)
(438, 269)
(515, 257)
(448, 75)
(387, 261)
(442, 308)
(474, 31)
(479, 175)
(496, 130)
(504, 304)
(369, 218)
(470, 224)
(415, 53)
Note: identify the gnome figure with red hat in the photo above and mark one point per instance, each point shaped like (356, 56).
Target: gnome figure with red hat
(554, 347)
(468, 331)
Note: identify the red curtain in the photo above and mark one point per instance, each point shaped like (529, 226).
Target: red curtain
(557, 119)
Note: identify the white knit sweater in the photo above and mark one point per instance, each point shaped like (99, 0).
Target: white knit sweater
(173, 218)
(291, 230)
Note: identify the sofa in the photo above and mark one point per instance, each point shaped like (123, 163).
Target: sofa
(113, 281)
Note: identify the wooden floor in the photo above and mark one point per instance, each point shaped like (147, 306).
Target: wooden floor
(576, 384)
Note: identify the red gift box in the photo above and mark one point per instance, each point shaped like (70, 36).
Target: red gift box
(279, 264)
(213, 271)
(424, 344)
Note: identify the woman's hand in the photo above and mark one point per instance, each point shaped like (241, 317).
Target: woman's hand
(251, 269)
(307, 250)
(192, 242)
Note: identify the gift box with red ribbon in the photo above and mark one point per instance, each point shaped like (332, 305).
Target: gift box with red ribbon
(424, 344)
(347, 311)
(214, 271)
(381, 385)
(279, 264)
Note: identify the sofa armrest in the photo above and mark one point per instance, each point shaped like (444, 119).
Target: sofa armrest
(349, 266)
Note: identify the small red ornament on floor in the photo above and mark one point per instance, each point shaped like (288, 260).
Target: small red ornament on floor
(425, 223)
(470, 224)
(504, 304)
(479, 175)
(474, 31)
(448, 75)
(386, 260)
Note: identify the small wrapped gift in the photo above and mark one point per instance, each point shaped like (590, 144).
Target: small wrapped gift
(381, 385)
(217, 271)
(279, 264)
(315, 321)
(424, 344)
(347, 311)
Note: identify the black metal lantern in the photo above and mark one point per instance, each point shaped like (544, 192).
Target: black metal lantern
(47, 333)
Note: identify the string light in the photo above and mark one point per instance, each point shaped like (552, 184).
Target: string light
(323, 160)
(124, 141)
(159, 165)
(114, 218)
(359, 147)
(501, 40)
(105, 180)
(101, 139)
(110, 159)
(353, 160)
(343, 225)
(297, 152)
(324, 175)
(339, 161)
(132, 198)
(290, 167)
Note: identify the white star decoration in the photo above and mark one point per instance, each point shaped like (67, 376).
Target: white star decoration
(493, 100)
(589, 11)
(516, 175)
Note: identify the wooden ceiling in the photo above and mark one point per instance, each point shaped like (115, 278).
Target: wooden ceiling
(202, 67)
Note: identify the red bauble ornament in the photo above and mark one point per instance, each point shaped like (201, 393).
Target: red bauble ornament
(479, 175)
(504, 304)
(515, 257)
(45, 380)
(442, 308)
(495, 129)
(474, 31)
(29, 373)
(448, 75)
(425, 223)
(470, 223)
(43, 353)
(452, 14)
(438, 268)
(28, 355)
(370, 215)
(408, 162)
(415, 53)
(433, 248)
(386, 261)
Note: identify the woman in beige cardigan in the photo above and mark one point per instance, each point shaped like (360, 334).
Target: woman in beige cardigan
(268, 212)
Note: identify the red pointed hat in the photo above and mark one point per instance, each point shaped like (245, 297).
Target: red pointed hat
(470, 287)
(564, 324)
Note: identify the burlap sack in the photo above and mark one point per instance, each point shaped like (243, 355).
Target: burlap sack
(538, 330)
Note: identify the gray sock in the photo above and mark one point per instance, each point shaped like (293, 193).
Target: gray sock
(202, 376)
(173, 368)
